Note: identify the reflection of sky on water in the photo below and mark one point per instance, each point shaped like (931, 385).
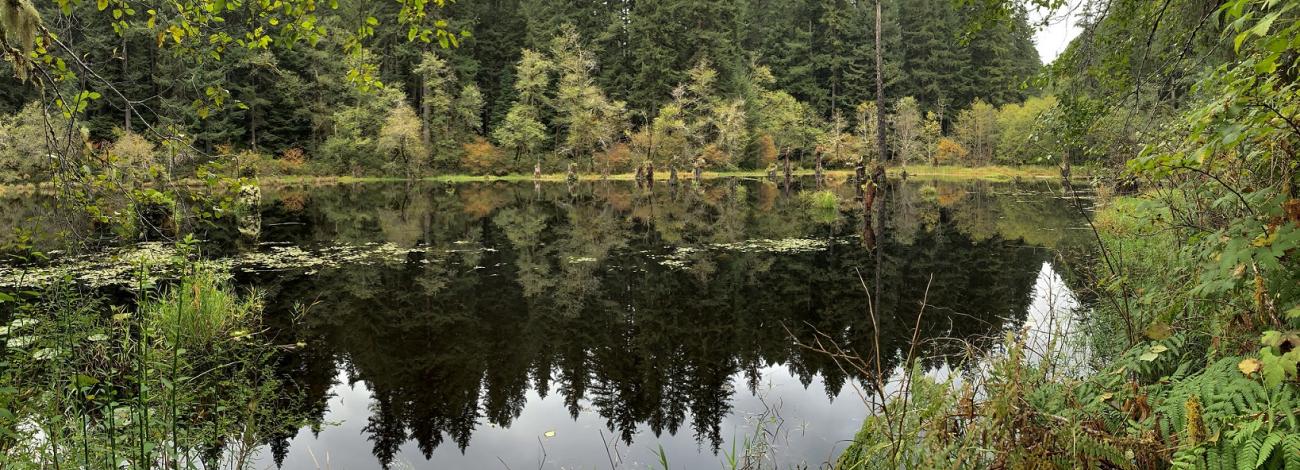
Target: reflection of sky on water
(1052, 320)
(810, 424)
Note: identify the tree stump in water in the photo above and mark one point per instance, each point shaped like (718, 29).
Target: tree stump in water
(672, 176)
(787, 169)
(817, 171)
(572, 176)
(537, 171)
(650, 173)
(250, 216)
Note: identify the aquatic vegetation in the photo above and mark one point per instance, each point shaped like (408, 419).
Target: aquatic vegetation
(824, 205)
(680, 256)
(119, 266)
(199, 310)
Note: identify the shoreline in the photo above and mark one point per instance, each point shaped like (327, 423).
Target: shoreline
(950, 172)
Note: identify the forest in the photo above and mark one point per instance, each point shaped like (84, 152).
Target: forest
(754, 234)
(510, 85)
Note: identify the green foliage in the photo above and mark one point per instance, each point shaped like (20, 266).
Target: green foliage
(977, 130)
(23, 150)
(399, 142)
(199, 311)
(824, 205)
(352, 147)
(1023, 139)
(909, 126)
(590, 121)
(270, 78)
(522, 130)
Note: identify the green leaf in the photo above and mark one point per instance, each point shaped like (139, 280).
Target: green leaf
(83, 381)
(1265, 24)
(1274, 369)
(1271, 338)
(1236, 42)
(1153, 353)
(1159, 331)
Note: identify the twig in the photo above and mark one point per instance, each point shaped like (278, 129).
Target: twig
(605, 444)
(907, 374)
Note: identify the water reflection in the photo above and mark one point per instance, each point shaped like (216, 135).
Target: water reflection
(646, 309)
(653, 314)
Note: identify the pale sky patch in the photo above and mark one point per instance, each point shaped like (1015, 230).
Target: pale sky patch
(1052, 39)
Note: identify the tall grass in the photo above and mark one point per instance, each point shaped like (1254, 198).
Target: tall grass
(201, 310)
(823, 205)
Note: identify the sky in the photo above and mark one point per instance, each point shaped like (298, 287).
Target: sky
(1052, 39)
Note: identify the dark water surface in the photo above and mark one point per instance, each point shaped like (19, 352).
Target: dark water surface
(508, 325)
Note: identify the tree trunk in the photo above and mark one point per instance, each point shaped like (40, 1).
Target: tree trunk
(252, 126)
(818, 170)
(787, 166)
(426, 135)
(880, 91)
(126, 105)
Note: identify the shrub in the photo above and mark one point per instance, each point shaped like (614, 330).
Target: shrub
(134, 152)
(949, 151)
(712, 156)
(823, 205)
(294, 157)
(617, 159)
(23, 148)
(767, 152)
(480, 157)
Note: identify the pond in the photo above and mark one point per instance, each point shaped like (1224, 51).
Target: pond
(603, 324)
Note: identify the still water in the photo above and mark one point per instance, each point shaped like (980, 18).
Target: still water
(513, 325)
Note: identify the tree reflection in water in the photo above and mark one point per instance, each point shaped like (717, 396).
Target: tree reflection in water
(641, 303)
